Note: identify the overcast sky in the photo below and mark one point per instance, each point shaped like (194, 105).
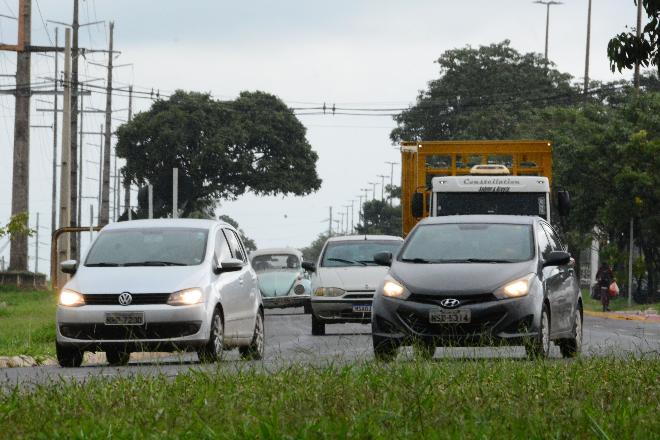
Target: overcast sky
(368, 53)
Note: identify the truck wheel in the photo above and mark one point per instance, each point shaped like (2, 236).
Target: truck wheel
(318, 326)
(68, 356)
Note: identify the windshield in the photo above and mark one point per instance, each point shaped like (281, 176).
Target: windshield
(506, 203)
(266, 262)
(469, 242)
(149, 247)
(356, 252)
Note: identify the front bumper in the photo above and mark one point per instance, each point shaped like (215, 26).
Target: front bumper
(279, 302)
(493, 322)
(341, 309)
(165, 327)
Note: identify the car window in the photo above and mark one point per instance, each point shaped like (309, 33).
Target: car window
(544, 243)
(555, 242)
(222, 251)
(234, 244)
(356, 252)
(270, 262)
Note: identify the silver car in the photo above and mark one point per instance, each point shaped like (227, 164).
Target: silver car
(161, 285)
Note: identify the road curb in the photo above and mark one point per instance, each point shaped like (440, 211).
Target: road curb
(624, 316)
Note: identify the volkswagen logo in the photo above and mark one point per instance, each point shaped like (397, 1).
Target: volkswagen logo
(450, 303)
(125, 299)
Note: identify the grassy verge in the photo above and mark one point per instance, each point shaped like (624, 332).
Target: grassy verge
(618, 304)
(588, 398)
(27, 322)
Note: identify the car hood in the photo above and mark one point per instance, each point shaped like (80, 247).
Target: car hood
(138, 279)
(351, 278)
(458, 278)
(276, 282)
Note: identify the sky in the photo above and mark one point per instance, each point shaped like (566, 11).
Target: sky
(373, 53)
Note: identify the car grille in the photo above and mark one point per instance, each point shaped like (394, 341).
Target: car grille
(160, 330)
(106, 299)
(420, 324)
(359, 294)
(465, 299)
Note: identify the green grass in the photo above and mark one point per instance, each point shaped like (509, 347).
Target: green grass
(27, 323)
(485, 399)
(618, 304)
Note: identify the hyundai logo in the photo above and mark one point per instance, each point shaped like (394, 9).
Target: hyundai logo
(125, 299)
(450, 303)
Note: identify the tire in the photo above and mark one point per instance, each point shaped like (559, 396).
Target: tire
(117, 357)
(255, 351)
(307, 308)
(318, 326)
(573, 346)
(212, 350)
(385, 349)
(68, 357)
(424, 350)
(539, 347)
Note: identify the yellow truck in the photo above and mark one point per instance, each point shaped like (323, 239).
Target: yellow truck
(476, 177)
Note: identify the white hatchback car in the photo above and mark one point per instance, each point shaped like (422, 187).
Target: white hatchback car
(161, 285)
(345, 278)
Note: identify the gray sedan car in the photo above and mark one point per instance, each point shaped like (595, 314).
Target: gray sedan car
(478, 280)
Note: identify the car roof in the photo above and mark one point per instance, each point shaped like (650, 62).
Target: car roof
(364, 237)
(485, 218)
(281, 250)
(167, 223)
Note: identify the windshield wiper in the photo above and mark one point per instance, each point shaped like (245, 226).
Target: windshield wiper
(102, 264)
(416, 260)
(341, 260)
(155, 263)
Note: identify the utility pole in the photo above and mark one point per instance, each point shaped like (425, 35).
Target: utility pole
(74, 130)
(150, 197)
(392, 177)
(65, 173)
(359, 196)
(547, 21)
(382, 186)
(175, 193)
(104, 215)
(585, 88)
(366, 197)
(21, 169)
(347, 228)
(374, 188)
(98, 220)
(352, 216)
(36, 247)
(639, 34)
(632, 221)
(330, 223)
(53, 215)
(80, 175)
(127, 182)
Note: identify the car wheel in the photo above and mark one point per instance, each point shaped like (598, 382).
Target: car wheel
(307, 308)
(68, 356)
(255, 350)
(539, 347)
(212, 350)
(385, 349)
(571, 347)
(424, 350)
(117, 357)
(318, 326)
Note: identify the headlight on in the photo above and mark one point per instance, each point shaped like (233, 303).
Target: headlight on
(185, 297)
(516, 288)
(69, 298)
(329, 291)
(393, 289)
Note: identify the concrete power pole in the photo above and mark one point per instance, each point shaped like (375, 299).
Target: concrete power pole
(391, 177)
(382, 186)
(53, 213)
(127, 182)
(65, 173)
(330, 223)
(585, 88)
(73, 193)
(18, 259)
(547, 21)
(639, 34)
(104, 214)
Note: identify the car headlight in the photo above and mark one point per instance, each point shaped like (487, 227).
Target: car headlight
(394, 289)
(516, 288)
(70, 298)
(329, 291)
(185, 297)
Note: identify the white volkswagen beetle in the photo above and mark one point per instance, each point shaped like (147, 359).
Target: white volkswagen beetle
(161, 285)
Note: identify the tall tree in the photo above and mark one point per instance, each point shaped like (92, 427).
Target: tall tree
(378, 217)
(626, 49)
(482, 94)
(221, 148)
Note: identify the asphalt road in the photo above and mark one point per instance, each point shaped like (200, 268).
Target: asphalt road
(289, 341)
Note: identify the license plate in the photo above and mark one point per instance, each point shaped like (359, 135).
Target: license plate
(440, 316)
(366, 308)
(124, 318)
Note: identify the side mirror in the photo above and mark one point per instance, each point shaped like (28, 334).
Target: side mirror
(383, 258)
(557, 258)
(309, 266)
(563, 202)
(69, 266)
(417, 204)
(228, 265)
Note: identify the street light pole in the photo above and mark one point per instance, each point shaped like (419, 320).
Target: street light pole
(547, 20)
(382, 186)
(391, 178)
(374, 188)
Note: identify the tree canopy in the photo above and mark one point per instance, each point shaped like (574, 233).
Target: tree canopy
(250, 244)
(626, 49)
(221, 148)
